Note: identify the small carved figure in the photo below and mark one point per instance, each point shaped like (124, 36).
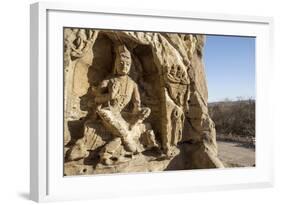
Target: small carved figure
(177, 125)
(176, 74)
(69, 37)
(77, 42)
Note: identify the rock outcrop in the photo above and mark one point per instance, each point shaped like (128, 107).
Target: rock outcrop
(151, 117)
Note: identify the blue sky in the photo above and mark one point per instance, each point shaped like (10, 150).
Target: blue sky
(230, 67)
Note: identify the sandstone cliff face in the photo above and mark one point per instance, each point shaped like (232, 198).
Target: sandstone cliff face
(169, 71)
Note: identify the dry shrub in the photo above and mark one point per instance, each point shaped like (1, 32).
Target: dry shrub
(234, 117)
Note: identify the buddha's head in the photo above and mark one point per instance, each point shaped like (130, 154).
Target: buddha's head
(123, 60)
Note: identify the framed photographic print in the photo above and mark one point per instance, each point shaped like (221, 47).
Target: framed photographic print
(127, 102)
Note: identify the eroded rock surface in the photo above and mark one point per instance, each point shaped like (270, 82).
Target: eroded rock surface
(135, 102)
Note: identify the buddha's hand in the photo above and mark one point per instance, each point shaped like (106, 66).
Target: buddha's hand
(115, 89)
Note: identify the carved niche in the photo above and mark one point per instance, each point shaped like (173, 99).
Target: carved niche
(135, 101)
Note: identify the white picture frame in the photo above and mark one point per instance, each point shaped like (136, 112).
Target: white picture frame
(47, 182)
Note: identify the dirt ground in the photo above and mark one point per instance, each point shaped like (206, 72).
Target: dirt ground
(236, 155)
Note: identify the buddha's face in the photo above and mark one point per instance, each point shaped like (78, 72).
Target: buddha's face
(123, 63)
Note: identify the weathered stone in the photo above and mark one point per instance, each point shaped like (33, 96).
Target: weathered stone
(136, 101)
(77, 151)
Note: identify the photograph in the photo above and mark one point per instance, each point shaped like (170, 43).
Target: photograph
(142, 101)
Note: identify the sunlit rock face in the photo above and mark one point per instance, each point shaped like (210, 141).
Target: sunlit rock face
(135, 102)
